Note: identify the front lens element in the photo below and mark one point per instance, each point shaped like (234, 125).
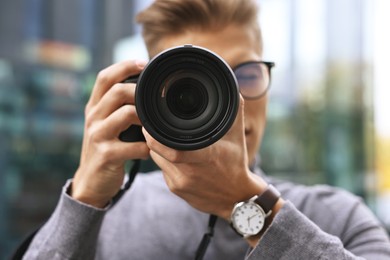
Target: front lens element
(187, 98)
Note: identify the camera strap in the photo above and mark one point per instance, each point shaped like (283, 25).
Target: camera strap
(131, 176)
(204, 243)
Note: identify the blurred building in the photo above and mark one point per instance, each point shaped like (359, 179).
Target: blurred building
(50, 52)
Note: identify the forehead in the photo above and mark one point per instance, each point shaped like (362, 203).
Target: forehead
(234, 44)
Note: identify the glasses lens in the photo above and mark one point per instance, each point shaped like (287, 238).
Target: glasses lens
(253, 79)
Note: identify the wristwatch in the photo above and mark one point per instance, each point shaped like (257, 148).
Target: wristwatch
(248, 217)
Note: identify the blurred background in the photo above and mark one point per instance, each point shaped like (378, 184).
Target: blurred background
(327, 119)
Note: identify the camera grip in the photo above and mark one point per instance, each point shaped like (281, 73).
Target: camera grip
(131, 79)
(134, 132)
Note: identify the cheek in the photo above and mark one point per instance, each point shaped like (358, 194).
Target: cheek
(255, 113)
(261, 121)
(258, 130)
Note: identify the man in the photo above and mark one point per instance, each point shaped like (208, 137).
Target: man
(165, 213)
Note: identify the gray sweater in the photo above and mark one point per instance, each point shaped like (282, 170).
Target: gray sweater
(150, 222)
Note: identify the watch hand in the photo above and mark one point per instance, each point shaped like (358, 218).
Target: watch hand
(249, 218)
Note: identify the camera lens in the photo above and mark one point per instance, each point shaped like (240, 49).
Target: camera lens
(187, 97)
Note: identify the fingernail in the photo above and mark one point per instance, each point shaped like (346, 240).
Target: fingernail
(141, 63)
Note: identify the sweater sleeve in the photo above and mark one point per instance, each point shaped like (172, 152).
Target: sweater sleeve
(293, 236)
(70, 233)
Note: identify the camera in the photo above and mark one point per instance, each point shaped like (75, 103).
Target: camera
(186, 97)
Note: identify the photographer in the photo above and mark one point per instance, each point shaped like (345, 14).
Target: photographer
(165, 213)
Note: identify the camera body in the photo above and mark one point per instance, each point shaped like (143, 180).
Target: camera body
(186, 97)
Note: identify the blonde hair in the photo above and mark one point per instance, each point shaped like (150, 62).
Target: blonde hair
(165, 18)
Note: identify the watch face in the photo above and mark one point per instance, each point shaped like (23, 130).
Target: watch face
(248, 218)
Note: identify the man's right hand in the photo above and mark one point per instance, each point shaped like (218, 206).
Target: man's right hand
(110, 111)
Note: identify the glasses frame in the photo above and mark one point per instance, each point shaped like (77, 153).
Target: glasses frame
(268, 64)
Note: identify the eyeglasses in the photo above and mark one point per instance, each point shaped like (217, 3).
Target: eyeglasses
(253, 78)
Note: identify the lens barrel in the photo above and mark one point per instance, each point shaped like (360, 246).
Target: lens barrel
(187, 97)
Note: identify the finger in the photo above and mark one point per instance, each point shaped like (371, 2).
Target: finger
(238, 128)
(170, 173)
(114, 74)
(118, 152)
(177, 156)
(118, 121)
(117, 96)
(122, 151)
